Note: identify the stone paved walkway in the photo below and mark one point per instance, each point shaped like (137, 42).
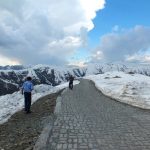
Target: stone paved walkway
(91, 121)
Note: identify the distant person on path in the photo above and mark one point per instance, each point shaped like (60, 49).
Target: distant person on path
(71, 78)
(26, 90)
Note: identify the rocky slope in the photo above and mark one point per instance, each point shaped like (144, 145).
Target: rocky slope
(12, 79)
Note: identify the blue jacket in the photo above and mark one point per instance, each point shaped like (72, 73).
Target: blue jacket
(27, 86)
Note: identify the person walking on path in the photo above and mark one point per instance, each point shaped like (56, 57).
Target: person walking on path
(71, 78)
(26, 90)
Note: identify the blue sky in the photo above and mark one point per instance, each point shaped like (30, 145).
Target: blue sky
(123, 13)
(74, 31)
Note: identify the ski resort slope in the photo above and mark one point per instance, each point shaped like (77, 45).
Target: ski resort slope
(132, 89)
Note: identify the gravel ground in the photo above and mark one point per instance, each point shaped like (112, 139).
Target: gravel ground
(22, 130)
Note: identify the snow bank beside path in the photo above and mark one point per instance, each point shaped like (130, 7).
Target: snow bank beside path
(133, 89)
(11, 103)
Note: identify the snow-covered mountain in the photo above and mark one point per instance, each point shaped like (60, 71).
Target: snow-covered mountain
(12, 77)
(132, 68)
(16, 67)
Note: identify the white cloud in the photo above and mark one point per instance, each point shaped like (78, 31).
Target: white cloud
(144, 58)
(97, 56)
(126, 44)
(44, 29)
(90, 7)
(80, 63)
(5, 61)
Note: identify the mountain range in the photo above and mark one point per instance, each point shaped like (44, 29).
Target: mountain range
(12, 77)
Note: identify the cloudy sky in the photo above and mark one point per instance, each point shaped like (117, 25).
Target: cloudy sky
(74, 31)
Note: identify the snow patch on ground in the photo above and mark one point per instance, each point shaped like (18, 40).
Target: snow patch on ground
(132, 89)
(11, 103)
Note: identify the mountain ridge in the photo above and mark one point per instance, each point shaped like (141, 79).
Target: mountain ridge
(12, 77)
(11, 80)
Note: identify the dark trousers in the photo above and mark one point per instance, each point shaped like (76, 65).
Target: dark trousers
(27, 101)
(71, 85)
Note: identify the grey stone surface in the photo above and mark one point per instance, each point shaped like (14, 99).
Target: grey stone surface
(58, 106)
(42, 140)
(91, 121)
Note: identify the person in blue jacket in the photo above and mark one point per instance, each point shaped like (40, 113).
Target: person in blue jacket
(27, 91)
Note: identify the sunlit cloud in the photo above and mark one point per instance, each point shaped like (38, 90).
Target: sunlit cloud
(6, 61)
(79, 63)
(44, 29)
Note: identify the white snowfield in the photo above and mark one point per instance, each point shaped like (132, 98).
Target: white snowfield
(133, 89)
(11, 103)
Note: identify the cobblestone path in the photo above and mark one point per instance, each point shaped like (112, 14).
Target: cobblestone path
(91, 121)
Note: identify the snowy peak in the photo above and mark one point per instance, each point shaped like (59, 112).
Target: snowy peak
(100, 68)
(11, 80)
(16, 67)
